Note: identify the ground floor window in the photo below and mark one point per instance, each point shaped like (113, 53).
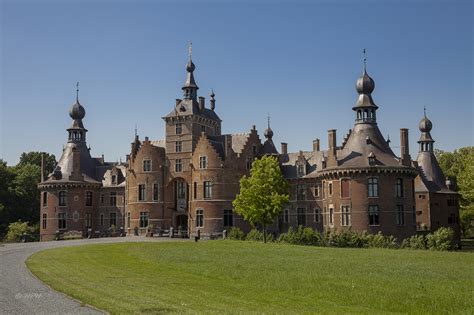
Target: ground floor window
(400, 215)
(128, 219)
(317, 215)
(199, 218)
(45, 221)
(101, 219)
(144, 219)
(301, 216)
(228, 218)
(286, 216)
(331, 216)
(61, 221)
(113, 219)
(88, 220)
(373, 215)
(346, 216)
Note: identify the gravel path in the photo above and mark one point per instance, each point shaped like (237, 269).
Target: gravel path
(23, 293)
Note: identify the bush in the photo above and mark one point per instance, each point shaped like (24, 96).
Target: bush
(441, 239)
(380, 241)
(18, 231)
(236, 234)
(257, 236)
(414, 242)
(301, 236)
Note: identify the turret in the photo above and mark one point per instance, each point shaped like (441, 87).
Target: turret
(365, 107)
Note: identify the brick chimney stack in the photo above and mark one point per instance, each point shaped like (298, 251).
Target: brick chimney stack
(332, 158)
(316, 147)
(202, 103)
(405, 158)
(76, 173)
(284, 148)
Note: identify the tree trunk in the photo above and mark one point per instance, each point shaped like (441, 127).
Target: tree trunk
(264, 234)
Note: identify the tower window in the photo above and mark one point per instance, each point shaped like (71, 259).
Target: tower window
(45, 221)
(195, 190)
(400, 215)
(203, 128)
(147, 165)
(228, 218)
(346, 216)
(88, 220)
(399, 188)
(373, 187)
(199, 218)
(141, 192)
(62, 198)
(301, 216)
(89, 198)
(62, 221)
(330, 189)
(207, 190)
(178, 165)
(373, 215)
(45, 198)
(113, 198)
(202, 162)
(179, 128)
(345, 192)
(179, 146)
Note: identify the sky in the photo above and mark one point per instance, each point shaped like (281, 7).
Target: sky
(297, 61)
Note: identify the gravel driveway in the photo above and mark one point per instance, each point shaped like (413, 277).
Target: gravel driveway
(23, 293)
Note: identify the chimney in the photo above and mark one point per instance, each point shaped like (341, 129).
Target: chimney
(316, 145)
(42, 167)
(178, 100)
(332, 158)
(76, 173)
(405, 158)
(201, 103)
(213, 101)
(147, 139)
(284, 148)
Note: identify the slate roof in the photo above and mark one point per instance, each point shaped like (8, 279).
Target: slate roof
(190, 107)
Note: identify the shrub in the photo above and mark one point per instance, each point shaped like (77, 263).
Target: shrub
(18, 231)
(257, 236)
(441, 239)
(301, 236)
(414, 242)
(236, 234)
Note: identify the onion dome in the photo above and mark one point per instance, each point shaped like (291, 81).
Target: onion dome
(365, 84)
(268, 133)
(190, 66)
(425, 124)
(77, 111)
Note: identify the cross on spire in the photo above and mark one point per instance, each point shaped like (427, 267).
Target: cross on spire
(365, 60)
(77, 91)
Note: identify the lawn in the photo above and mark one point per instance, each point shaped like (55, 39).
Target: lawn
(247, 277)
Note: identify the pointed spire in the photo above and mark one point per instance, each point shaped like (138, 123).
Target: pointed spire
(190, 87)
(268, 132)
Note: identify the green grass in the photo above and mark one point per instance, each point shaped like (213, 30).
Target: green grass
(246, 277)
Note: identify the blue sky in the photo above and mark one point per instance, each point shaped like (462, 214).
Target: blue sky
(297, 60)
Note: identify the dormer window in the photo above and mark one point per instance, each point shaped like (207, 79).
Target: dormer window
(300, 170)
(114, 179)
(371, 159)
(147, 165)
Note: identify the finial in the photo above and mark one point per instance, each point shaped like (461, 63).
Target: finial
(424, 111)
(212, 93)
(190, 49)
(388, 139)
(268, 120)
(136, 130)
(365, 60)
(77, 91)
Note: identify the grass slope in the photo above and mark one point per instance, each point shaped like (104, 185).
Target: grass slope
(246, 277)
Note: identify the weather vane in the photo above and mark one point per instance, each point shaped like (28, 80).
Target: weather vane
(365, 59)
(77, 91)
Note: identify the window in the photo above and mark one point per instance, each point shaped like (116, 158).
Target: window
(399, 188)
(88, 198)
(400, 215)
(254, 149)
(113, 198)
(88, 220)
(301, 216)
(102, 199)
(203, 128)
(300, 192)
(248, 162)
(346, 216)
(141, 192)
(331, 216)
(178, 167)
(113, 219)
(129, 219)
(207, 190)
(316, 191)
(179, 146)
(373, 215)
(345, 192)
(114, 179)
(452, 218)
(61, 221)
(156, 192)
(317, 215)
(195, 190)
(101, 219)
(62, 198)
(203, 162)
(330, 189)
(45, 221)
(147, 165)
(181, 190)
(228, 218)
(199, 218)
(45, 198)
(179, 128)
(300, 170)
(144, 219)
(286, 216)
(373, 187)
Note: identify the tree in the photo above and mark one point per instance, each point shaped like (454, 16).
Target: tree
(263, 194)
(458, 166)
(34, 158)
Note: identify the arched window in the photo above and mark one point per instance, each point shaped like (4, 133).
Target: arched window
(399, 188)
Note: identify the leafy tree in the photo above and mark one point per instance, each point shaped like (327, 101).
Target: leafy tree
(7, 196)
(34, 158)
(263, 194)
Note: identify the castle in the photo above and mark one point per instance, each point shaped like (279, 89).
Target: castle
(187, 182)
